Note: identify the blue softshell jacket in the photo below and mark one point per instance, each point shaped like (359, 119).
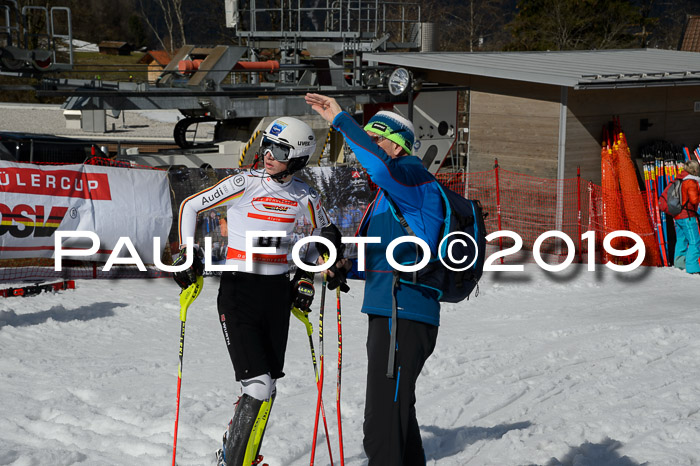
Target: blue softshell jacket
(415, 192)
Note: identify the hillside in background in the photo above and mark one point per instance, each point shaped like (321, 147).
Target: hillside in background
(88, 65)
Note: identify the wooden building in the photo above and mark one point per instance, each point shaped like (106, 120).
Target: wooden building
(112, 47)
(690, 38)
(542, 113)
(156, 60)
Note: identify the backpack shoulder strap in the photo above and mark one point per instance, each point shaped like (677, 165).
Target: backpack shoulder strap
(399, 215)
(394, 284)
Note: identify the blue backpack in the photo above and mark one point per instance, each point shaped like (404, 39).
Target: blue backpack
(461, 216)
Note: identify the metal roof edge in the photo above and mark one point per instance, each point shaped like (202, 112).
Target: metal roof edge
(477, 71)
(422, 60)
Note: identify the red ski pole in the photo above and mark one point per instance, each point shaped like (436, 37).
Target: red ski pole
(319, 380)
(340, 366)
(304, 318)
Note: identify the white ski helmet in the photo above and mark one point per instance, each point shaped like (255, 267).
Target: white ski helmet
(289, 140)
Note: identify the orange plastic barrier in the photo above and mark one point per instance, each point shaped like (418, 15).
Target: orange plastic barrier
(612, 205)
(636, 212)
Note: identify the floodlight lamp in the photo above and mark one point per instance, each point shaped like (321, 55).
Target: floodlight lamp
(371, 78)
(399, 81)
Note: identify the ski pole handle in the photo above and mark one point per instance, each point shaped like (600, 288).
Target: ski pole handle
(304, 318)
(188, 295)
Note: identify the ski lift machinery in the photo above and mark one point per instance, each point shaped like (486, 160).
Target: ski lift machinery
(284, 50)
(34, 38)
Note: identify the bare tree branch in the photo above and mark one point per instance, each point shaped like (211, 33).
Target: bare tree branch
(168, 17)
(147, 19)
(177, 7)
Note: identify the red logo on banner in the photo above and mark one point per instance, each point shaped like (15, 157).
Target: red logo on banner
(60, 183)
(23, 220)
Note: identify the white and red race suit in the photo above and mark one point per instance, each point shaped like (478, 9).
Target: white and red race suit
(256, 202)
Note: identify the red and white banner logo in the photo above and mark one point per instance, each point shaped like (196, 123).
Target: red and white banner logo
(57, 183)
(37, 201)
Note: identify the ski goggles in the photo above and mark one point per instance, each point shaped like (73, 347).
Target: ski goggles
(279, 152)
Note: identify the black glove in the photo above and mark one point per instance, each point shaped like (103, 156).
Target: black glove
(302, 293)
(332, 233)
(339, 278)
(189, 276)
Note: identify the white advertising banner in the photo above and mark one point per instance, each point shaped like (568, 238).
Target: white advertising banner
(36, 201)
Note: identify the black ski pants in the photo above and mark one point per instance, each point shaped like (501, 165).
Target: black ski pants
(254, 316)
(391, 432)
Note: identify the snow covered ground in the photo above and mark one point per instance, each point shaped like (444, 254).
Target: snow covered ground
(83, 46)
(575, 368)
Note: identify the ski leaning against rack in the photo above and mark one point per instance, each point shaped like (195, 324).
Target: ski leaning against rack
(187, 297)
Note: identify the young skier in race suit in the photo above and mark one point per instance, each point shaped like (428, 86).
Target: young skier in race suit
(383, 148)
(254, 305)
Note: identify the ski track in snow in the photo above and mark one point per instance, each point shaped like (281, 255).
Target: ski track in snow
(584, 368)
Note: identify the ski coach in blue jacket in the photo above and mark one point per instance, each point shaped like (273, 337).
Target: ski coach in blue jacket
(384, 147)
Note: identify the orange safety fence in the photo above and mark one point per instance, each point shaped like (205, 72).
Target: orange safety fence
(532, 207)
(528, 206)
(635, 207)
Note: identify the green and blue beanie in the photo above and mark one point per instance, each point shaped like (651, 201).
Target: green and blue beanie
(393, 127)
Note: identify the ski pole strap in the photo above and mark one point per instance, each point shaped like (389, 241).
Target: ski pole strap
(392, 337)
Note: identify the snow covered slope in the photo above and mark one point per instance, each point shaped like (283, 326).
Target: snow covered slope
(577, 368)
